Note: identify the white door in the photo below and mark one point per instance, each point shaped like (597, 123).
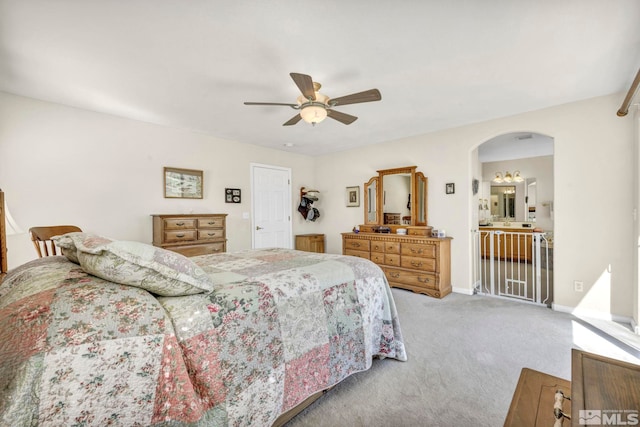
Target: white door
(271, 204)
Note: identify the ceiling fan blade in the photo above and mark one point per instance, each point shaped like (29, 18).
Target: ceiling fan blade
(347, 119)
(293, 120)
(355, 98)
(271, 103)
(305, 84)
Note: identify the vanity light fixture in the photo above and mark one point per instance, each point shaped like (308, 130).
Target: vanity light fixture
(508, 178)
(517, 177)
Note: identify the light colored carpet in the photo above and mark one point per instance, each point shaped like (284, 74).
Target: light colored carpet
(465, 356)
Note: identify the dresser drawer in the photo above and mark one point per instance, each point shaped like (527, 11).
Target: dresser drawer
(359, 254)
(392, 247)
(179, 223)
(377, 257)
(392, 259)
(195, 250)
(179, 236)
(357, 244)
(208, 234)
(412, 249)
(424, 264)
(210, 222)
(377, 246)
(411, 278)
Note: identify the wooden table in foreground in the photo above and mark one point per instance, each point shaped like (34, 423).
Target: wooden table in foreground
(603, 391)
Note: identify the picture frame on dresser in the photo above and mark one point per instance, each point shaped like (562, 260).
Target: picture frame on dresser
(183, 183)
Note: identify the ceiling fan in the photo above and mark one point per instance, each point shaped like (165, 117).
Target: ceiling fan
(315, 107)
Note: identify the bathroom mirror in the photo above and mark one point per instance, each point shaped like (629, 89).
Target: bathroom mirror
(531, 199)
(513, 201)
(396, 197)
(503, 201)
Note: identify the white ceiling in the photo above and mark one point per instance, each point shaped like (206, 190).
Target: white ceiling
(438, 64)
(516, 145)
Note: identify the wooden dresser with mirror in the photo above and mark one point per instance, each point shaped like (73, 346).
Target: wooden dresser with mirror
(396, 199)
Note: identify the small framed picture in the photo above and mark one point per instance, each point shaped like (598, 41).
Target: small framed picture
(182, 183)
(232, 195)
(450, 188)
(352, 197)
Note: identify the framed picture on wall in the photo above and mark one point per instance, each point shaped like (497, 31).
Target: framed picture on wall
(352, 196)
(450, 188)
(232, 195)
(182, 183)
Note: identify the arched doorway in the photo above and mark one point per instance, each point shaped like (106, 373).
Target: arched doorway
(514, 239)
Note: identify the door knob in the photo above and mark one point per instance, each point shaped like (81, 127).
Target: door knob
(258, 227)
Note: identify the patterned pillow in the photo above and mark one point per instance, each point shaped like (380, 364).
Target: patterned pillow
(154, 269)
(70, 242)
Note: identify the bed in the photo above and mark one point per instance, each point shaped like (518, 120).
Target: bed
(124, 333)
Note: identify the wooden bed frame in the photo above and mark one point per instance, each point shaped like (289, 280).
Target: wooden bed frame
(3, 241)
(287, 416)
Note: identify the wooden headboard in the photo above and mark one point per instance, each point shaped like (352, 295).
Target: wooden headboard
(3, 240)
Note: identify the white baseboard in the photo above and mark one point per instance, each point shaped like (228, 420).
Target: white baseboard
(594, 314)
(465, 291)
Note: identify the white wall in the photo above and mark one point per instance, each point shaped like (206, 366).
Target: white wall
(593, 220)
(62, 165)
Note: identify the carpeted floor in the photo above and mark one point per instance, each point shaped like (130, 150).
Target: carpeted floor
(465, 356)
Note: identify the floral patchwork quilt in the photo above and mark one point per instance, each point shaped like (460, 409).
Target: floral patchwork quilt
(279, 325)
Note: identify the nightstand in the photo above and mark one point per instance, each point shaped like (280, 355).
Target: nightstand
(310, 242)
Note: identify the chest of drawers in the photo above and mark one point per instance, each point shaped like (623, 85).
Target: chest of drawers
(190, 235)
(417, 263)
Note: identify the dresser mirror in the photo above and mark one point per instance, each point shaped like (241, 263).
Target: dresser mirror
(371, 201)
(396, 197)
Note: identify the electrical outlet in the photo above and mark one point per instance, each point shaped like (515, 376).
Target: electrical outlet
(578, 286)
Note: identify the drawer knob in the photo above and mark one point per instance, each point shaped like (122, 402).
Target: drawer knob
(180, 235)
(419, 251)
(211, 222)
(425, 280)
(416, 264)
(211, 234)
(179, 224)
(356, 245)
(394, 275)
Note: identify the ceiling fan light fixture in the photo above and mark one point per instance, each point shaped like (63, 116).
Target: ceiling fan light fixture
(313, 113)
(313, 106)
